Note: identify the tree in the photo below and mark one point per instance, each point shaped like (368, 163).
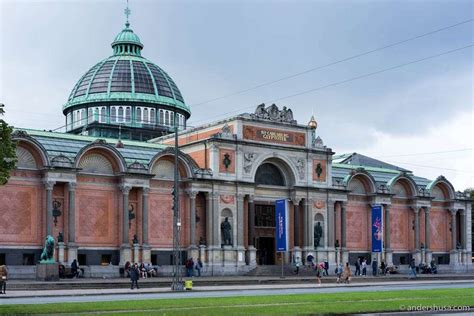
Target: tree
(7, 149)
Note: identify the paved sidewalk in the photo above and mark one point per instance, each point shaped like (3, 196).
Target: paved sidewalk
(163, 290)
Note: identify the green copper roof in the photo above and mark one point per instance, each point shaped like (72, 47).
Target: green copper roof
(126, 76)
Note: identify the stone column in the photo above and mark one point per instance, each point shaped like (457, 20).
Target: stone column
(192, 221)
(388, 249)
(125, 253)
(308, 241)
(240, 230)
(297, 255)
(251, 251)
(344, 253)
(453, 260)
(49, 185)
(463, 236)
(216, 220)
(208, 220)
(330, 227)
(427, 236)
(417, 254)
(71, 246)
(146, 249)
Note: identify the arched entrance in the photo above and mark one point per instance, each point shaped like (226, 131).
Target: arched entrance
(268, 174)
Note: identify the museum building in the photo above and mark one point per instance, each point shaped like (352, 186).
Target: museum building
(103, 188)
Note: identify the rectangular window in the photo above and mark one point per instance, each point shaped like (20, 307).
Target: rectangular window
(105, 260)
(2, 259)
(120, 114)
(172, 118)
(102, 116)
(82, 258)
(90, 116)
(28, 259)
(264, 215)
(167, 118)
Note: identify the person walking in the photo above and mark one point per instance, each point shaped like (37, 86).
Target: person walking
(326, 267)
(75, 268)
(199, 266)
(3, 279)
(339, 270)
(297, 265)
(364, 267)
(346, 274)
(412, 269)
(189, 267)
(383, 267)
(357, 265)
(319, 270)
(134, 275)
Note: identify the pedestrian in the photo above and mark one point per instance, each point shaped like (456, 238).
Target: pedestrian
(382, 267)
(357, 265)
(297, 265)
(126, 269)
(374, 267)
(319, 270)
(326, 267)
(189, 267)
(364, 267)
(346, 274)
(412, 269)
(199, 266)
(134, 275)
(75, 269)
(3, 279)
(339, 270)
(309, 260)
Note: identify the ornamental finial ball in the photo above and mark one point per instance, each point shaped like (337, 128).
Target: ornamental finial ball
(312, 123)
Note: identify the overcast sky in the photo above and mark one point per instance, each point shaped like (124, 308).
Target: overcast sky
(404, 116)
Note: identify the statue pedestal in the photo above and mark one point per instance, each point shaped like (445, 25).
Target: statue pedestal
(71, 253)
(297, 254)
(228, 256)
(331, 256)
(125, 254)
(453, 258)
(428, 256)
(417, 255)
(61, 252)
(146, 253)
(252, 256)
(389, 257)
(136, 253)
(47, 271)
(344, 256)
(193, 252)
(240, 256)
(202, 253)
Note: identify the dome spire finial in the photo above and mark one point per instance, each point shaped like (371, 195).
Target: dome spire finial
(127, 12)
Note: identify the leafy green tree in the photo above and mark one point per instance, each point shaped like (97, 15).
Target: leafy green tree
(7, 149)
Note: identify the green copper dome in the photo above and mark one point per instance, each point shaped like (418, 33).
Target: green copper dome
(126, 76)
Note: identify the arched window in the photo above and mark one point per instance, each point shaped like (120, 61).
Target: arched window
(90, 116)
(68, 121)
(145, 115)
(269, 174)
(120, 114)
(162, 120)
(139, 114)
(127, 114)
(172, 118)
(102, 117)
(167, 118)
(152, 116)
(96, 114)
(113, 114)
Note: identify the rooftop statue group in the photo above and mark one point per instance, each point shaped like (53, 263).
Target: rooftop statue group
(273, 113)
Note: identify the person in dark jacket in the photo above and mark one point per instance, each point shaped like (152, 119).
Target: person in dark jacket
(374, 267)
(357, 265)
(134, 275)
(75, 268)
(3, 279)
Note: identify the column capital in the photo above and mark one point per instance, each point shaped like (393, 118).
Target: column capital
(125, 189)
(462, 212)
(296, 200)
(415, 209)
(343, 203)
(192, 193)
(49, 184)
(387, 206)
(71, 186)
(145, 191)
(251, 197)
(214, 195)
(427, 209)
(308, 201)
(240, 196)
(453, 211)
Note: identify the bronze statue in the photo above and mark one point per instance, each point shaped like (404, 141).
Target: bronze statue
(60, 237)
(318, 232)
(226, 228)
(135, 239)
(47, 256)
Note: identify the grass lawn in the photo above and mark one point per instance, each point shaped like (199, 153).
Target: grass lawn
(262, 305)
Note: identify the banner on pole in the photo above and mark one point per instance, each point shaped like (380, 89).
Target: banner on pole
(281, 209)
(377, 228)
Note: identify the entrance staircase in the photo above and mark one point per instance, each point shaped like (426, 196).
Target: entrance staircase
(275, 270)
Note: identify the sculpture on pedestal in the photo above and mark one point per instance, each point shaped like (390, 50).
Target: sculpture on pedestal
(226, 229)
(48, 251)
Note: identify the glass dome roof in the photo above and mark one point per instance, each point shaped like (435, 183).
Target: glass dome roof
(126, 76)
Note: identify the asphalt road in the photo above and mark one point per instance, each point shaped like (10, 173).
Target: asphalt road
(196, 293)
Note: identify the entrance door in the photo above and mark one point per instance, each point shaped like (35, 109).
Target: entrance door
(266, 250)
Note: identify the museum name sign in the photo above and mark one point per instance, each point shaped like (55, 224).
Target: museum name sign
(273, 135)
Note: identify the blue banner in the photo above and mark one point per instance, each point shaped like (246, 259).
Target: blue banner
(377, 228)
(281, 209)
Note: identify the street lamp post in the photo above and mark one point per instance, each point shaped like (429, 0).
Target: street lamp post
(177, 284)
